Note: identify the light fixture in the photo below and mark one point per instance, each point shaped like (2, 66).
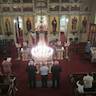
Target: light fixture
(42, 52)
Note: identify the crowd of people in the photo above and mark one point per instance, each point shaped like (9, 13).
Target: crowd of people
(86, 84)
(44, 71)
(32, 71)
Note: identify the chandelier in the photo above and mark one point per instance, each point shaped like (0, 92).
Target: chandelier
(42, 52)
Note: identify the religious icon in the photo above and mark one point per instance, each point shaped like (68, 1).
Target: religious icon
(28, 25)
(84, 24)
(7, 26)
(54, 25)
(74, 23)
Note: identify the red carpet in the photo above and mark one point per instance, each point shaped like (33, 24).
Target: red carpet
(76, 64)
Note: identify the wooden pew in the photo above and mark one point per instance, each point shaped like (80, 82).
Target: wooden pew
(79, 76)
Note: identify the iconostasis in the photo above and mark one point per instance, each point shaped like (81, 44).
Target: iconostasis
(69, 24)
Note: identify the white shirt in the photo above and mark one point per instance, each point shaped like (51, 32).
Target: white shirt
(44, 70)
(67, 44)
(80, 87)
(88, 81)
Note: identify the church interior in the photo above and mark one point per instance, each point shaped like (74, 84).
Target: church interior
(45, 31)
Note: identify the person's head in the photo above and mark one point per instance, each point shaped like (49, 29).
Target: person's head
(81, 82)
(90, 73)
(31, 62)
(54, 18)
(43, 64)
(56, 62)
(5, 58)
(9, 59)
(88, 41)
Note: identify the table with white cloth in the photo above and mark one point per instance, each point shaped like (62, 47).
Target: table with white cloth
(93, 54)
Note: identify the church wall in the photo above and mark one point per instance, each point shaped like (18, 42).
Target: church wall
(24, 17)
(70, 9)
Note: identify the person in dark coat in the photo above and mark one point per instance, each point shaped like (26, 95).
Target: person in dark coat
(31, 70)
(56, 69)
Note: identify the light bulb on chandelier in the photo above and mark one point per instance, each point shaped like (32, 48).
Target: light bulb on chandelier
(42, 52)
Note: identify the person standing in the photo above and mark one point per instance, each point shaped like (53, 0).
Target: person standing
(44, 74)
(88, 47)
(56, 69)
(80, 86)
(66, 45)
(88, 80)
(31, 70)
(6, 66)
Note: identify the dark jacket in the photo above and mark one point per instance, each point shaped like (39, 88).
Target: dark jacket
(31, 69)
(56, 69)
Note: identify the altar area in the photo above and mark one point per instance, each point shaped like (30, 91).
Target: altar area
(43, 46)
(55, 44)
(25, 54)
